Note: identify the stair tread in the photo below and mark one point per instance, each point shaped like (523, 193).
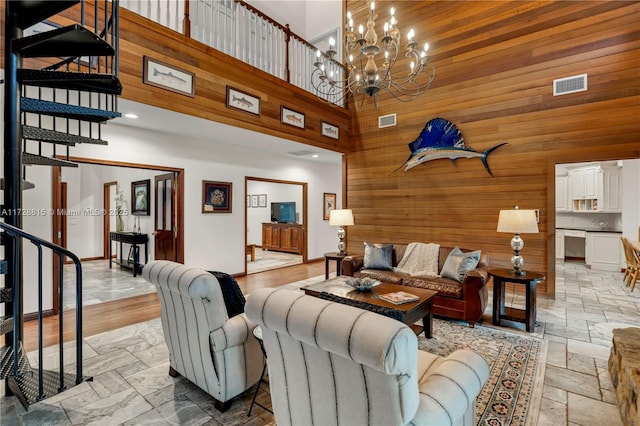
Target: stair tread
(74, 40)
(6, 361)
(25, 386)
(6, 325)
(54, 136)
(90, 82)
(39, 160)
(24, 186)
(6, 293)
(31, 12)
(57, 109)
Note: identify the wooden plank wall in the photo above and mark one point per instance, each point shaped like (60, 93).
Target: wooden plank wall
(495, 62)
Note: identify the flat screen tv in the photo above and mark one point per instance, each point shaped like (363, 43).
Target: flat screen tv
(283, 212)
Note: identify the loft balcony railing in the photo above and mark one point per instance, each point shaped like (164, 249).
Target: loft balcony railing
(242, 31)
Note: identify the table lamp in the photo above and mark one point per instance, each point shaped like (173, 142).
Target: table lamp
(341, 218)
(519, 222)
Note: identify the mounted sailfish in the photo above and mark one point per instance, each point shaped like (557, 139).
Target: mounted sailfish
(439, 139)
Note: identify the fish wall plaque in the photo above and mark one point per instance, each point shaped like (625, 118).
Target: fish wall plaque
(439, 139)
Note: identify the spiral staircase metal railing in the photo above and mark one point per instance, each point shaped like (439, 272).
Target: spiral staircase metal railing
(47, 110)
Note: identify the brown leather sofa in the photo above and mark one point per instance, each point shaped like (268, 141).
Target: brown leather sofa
(464, 300)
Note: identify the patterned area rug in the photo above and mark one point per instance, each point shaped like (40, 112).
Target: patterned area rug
(513, 392)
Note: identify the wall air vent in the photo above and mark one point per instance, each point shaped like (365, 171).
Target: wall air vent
(576, 83)
(388, 120)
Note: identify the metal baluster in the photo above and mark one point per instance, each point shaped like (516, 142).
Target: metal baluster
(78, 319)
(40, 348)
(61, 323)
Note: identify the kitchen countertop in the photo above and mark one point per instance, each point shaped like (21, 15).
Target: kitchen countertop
(594, 229)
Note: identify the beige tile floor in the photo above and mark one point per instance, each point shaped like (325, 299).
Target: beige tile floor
(577, 325)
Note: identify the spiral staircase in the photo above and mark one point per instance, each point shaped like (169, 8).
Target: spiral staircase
(48, 110)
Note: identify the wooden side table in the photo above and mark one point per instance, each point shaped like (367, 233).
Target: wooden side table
(333, 256)
(530, 281)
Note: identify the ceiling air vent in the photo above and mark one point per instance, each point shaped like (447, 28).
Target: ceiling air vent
(388, 120)
(576, 83)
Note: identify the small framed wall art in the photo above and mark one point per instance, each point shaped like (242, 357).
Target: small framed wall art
(140, 197)
(254, 201)
(243, 101)
(165, 76)
(216, 197)
(249, 201)
(328, 204)
(262, 200)
(291, 117)
(329, 130)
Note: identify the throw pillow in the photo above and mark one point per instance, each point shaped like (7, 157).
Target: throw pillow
(378, 256)
(233, 298)
(459, 263)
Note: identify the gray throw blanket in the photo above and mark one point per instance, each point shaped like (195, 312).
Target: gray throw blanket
(420, 259)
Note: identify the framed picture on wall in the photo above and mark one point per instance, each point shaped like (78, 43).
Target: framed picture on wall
(243, 101)
(168, 77)
(216, 197)
(330, 131)
(140, 197)
(291, 117)
(254, 201)
(262, 200)
(328, 204)
(249, 201)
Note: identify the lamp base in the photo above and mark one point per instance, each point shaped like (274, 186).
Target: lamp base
(341, 244)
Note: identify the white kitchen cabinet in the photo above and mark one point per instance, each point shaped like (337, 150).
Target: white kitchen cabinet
(560, 244)
(576, 182)
(612, 189)
(592, 176)
(595, 189)
(604, 251)
(563, 203)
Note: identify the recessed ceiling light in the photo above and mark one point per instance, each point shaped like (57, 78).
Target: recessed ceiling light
(130, 115)
(315, 156)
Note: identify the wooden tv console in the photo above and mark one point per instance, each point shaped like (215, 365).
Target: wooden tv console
(287, 237)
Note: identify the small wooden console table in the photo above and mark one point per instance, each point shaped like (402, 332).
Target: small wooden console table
(500, 312)
(133, 239)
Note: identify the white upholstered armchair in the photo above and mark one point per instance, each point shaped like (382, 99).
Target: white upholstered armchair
(217, 353)
(333, 364)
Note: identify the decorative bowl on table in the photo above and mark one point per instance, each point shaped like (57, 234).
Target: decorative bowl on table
(362, 284)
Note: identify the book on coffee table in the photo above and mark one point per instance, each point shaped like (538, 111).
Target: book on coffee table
(399, 297)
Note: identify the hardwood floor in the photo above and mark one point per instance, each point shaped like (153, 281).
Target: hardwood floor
(119, 313)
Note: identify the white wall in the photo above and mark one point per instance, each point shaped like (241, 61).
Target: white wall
(308, 19)
(85, 204)
(275, 192)
(631, 199)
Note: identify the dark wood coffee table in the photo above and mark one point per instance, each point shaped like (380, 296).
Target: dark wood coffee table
(410, 312)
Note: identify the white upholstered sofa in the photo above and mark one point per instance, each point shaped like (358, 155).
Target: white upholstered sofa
(217, 353)
(333, 364)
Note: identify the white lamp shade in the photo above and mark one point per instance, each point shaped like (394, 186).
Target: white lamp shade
(518, 221)
(342, 217)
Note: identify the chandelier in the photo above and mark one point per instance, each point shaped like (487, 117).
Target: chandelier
(363, 75)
